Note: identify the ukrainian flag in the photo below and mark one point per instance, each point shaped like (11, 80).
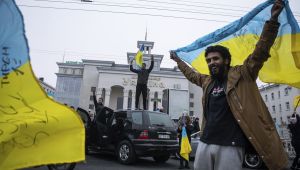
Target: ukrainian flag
(296, 101)
(34, 129)
(185, 147)
(139, 56)
(241, 37)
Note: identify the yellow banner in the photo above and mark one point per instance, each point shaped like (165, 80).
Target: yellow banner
(34, 129)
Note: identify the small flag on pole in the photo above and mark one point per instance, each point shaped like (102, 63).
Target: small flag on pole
(139, 56)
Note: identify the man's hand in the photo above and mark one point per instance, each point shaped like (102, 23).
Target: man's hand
(152, 57)
(276, 9)
(174, 56)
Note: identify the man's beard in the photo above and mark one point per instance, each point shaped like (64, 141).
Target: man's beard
(220, 74)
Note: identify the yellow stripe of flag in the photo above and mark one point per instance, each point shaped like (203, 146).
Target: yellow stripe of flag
(34, 129)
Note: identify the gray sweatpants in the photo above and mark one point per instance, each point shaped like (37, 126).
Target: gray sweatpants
(216, 157)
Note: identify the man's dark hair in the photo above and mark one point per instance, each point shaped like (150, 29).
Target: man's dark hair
(220, 49)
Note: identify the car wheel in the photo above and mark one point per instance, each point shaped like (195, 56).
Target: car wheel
(161, 158)
(64, 166)
(252, 161)
(125, 152)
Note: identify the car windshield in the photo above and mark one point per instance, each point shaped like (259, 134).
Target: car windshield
(158, 119)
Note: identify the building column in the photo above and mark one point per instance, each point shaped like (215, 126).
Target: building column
(160, 96)
(107, 96)
(150, 102)
(133, 100)
(125, 98)
(99, 93)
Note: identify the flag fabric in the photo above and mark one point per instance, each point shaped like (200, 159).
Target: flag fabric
(185, 147)
(297, 101)
(241, 37)
(34, 129)
(139, 56)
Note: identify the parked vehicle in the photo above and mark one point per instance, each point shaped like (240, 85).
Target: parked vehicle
(131, 134)
(251, 159)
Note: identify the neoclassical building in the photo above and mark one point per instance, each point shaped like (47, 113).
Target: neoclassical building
(116, 84)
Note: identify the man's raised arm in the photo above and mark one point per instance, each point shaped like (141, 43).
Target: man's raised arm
(131, 67)
(261, 52)
(189, 73)
(94, 98)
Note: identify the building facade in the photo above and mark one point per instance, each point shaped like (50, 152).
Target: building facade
(68, 83)
(279, 99)
(50, 91)
(116, 84)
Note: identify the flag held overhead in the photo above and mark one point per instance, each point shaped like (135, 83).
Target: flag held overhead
(241, 37)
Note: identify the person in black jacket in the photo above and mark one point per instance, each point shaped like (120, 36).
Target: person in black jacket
(196, 125)
(141, 86)
(294, 128)
(184, 121)
(102, 115)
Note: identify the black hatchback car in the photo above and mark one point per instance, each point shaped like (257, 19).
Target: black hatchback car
(131, 134)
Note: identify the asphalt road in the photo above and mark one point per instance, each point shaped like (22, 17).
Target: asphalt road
(109, 162)
(105, 161)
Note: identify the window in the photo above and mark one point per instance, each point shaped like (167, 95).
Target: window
(191, 95)
(137, 118)
(91, 98)
(280, 109)
(65, 71)
(177, 86)
(273, 109)
(120, 103)
(287, 104)
(191, 113)
(278, 94)
(73, 71)
(266, 97)
(91, 106)
(286, 91)
(160, 119)
(93, 89)
(191, 104)
(272, 96)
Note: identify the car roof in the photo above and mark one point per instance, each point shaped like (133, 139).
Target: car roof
(126, 110)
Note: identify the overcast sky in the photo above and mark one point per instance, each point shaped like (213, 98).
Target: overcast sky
(72, 30)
